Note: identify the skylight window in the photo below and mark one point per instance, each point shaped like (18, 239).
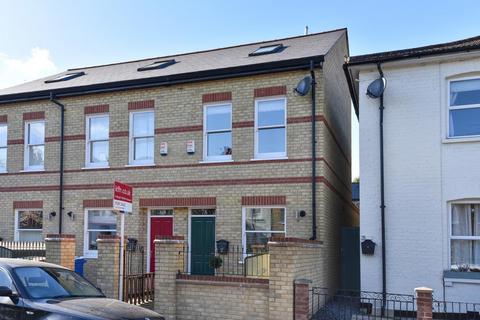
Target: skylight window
(157, 65)
(65, 77)
(274, 48)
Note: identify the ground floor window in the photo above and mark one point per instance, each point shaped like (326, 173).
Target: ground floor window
(98, 222)
(259, 225)
(28, 225)
(465, 236)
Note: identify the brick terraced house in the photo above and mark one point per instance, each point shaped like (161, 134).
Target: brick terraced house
(216, 144)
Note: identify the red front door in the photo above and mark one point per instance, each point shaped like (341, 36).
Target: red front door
(159, 226)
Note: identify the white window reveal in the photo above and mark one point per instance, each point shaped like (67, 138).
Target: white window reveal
(142, 136)
(218, 132)
(464, 108)
(270, 128)
(259, 225)
(28, 225)
(34, 145)
(98, 222)
(465, 237)
(97, 146)
(3, 147)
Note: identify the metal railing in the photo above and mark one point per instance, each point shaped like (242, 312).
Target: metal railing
(326, 305)
(139, 288)
(23, 250)
(456, 310)
(232, 262)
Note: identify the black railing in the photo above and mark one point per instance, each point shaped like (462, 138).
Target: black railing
(138, 285)
(326, 305)
(456, 310)
(22, 250)
(233, 262)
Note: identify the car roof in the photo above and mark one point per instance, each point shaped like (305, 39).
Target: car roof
(15, 263)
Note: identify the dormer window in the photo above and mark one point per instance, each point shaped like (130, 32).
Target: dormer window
(274, 48)
(157, 65)
(65, 77)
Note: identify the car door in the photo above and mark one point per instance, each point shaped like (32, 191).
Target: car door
(10, 309)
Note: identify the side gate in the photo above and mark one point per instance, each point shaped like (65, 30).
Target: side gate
(138, 285)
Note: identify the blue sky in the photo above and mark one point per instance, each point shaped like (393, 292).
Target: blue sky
(38, 38)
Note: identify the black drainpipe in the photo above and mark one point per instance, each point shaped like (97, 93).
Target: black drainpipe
(62, 139)
(382, 195)
(314, 155)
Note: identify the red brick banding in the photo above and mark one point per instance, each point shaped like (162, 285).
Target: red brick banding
(101, 108)
(30, 204)
(14, 141)
(270, 91)
(145, 104)
(178, 202)
(221, 279)
(217, 97)
(118, 134)
(3, 118)
(98, 203)
(72, 137)
(264, 200)
(243, 124)
(36, 115)
(179, 129)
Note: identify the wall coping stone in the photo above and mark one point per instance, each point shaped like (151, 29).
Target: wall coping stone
(303, 281)
(108, 238)
(59, 237)
(294, 242)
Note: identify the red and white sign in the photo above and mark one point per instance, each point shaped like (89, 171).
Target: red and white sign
(122, 197)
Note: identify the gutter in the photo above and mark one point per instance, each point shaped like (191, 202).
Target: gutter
(217, 74)
(351, 89)
(62, 140)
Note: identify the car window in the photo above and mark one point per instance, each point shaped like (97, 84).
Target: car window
(5, 280)
(44, 283)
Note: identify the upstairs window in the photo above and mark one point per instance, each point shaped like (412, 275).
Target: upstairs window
(218, 132)
(3, 147)
(65, 77)
(157, 65)
(270, 128)
(142, 136)
(274, 48)
(34, 145)
(465, 236)
(97, 146)
(464, 108)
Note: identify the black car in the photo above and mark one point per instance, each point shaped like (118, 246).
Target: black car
(36, 290)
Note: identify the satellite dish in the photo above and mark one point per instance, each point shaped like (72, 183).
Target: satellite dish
(303, 87)
(376, 88)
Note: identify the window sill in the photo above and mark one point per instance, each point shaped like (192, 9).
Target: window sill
(216, 161)
(465, 277)
(93, 168)
(32, 170)
(461, 140)
(272, 158)
(141, 165)
(3, 172)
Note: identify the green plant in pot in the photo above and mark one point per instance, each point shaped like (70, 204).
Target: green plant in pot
(215, 262)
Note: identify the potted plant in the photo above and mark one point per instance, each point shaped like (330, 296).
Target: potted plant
(215, 262)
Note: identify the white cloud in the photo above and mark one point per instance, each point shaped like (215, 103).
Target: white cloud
(16, 71)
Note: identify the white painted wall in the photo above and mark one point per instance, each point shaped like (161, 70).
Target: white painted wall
(423, 172)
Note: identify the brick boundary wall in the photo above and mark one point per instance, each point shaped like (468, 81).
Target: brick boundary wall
(424, 299)
(301, 306)
(60, 249)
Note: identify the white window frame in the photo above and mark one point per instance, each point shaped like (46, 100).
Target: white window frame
(131, 141)
(270, 155)
(87, 252)
(4, 169)
(450, 229)
(16, 235)
(466, 106)
(88, 141)
(244, 219)
(207, 158)
(27, 166)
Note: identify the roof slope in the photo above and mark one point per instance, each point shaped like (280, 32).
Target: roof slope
(448, 47)
(188, 65)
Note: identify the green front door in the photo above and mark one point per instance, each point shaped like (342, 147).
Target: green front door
(202, 244)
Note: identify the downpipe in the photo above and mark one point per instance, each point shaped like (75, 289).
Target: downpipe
(314, 152)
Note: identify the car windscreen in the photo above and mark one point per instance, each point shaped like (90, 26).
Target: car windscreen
(49, 283)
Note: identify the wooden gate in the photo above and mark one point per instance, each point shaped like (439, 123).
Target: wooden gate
(138, 285)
